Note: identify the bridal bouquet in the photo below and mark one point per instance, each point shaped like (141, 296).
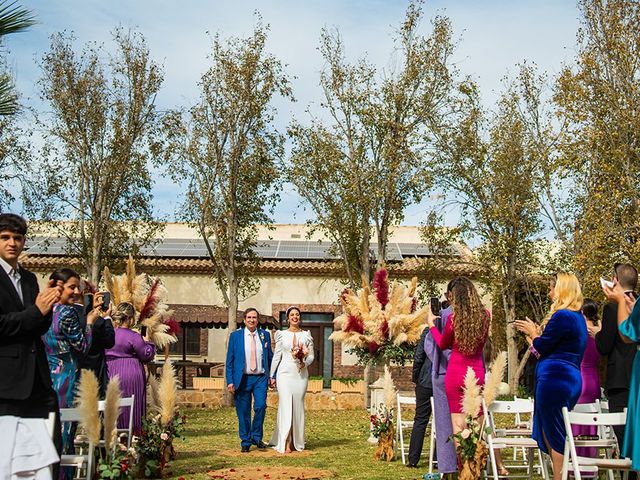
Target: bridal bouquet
(299, 353)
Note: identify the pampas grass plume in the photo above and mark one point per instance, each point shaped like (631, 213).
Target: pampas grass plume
(493, 378)
(389, 389)
(167, 393)
(111, 411)
(87, 404)
(472, 400)
(152, 394)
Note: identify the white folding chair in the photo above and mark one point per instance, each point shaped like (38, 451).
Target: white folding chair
(402, 425)
(523, 424)
(432, 437)
(606, 436)
(500, 438)
(80, 461)
(126, 402)
(579, 465)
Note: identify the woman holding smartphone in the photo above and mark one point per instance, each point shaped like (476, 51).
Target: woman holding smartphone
(65, 338)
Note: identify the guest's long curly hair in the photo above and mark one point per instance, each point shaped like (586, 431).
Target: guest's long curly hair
(471, 320)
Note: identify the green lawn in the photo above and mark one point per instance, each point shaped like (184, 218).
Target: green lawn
(336, 441)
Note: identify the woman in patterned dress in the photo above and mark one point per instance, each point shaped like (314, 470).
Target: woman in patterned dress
(64, 337)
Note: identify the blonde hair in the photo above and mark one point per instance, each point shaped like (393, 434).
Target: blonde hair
(123, 312)
(567, 293)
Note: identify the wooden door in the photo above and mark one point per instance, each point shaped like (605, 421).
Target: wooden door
(316, 333)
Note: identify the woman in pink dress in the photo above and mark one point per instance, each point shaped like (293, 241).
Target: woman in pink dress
(589, 372)
(466, 334)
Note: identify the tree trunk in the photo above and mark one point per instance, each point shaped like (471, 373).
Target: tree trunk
(232, 317)
(509, 305)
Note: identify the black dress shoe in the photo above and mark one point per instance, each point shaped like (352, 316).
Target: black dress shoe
(261, 445)
(412, 465)
(245, 449)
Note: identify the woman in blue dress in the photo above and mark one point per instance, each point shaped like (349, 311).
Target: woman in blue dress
(629, 328)
(559, 349)
(64, 337)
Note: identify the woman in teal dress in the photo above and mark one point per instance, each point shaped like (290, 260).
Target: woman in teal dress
(629, 328)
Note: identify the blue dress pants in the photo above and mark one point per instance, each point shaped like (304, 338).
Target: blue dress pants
(251, 386)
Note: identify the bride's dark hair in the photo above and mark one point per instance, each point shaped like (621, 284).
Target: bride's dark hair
(290, 309)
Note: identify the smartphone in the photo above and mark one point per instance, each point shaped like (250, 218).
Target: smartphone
(87, 301)
(106, 300)
(435, 305)
(605, 283)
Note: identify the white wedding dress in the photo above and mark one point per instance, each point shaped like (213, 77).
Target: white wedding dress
(291, 383)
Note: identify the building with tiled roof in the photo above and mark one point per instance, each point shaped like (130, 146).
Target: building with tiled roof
(295, 268)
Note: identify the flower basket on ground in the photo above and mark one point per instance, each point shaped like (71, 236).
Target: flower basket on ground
(380, 325)
(315, 385)
(470, 444)
(347, 385)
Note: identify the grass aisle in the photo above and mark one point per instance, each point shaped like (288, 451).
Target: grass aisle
(336, 441)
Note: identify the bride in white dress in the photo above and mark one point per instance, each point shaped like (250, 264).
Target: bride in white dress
(290, 376)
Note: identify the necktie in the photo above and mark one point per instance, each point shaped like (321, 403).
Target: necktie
(253, 358)
(16, 279)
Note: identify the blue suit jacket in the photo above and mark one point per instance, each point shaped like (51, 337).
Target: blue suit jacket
(235, 365)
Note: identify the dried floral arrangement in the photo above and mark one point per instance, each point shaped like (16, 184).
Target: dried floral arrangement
(470, 445)
(163, 424)
(115, 461)
(380, 324)
(149, 299)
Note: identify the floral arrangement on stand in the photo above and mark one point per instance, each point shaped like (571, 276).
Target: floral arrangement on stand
(470, 444)
(115, 461)
(382, 420)
(380, 324)
(149, 299)
(163, 424)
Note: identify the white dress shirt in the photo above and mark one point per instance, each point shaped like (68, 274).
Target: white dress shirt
(14, 276)
(247, 352)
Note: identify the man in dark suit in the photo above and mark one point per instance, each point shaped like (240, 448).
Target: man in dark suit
(25, 315)
(421, 376)
(619, 354)
(247, 367)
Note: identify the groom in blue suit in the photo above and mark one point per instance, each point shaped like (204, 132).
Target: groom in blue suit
(249, 357)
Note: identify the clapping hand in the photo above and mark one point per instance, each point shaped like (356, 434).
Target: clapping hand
(49, 296)
(528, 327)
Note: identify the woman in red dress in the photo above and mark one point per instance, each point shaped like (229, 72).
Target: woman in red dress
(466, 334)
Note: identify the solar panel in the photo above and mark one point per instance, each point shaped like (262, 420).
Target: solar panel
(393, 252)
(266, 249)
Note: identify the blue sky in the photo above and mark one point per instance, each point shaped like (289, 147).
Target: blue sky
(494, 36)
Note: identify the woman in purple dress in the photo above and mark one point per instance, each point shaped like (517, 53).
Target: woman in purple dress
(589, 372)
(126, 360)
